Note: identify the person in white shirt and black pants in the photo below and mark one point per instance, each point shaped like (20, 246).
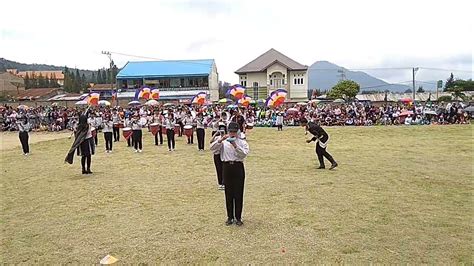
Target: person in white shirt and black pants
(108, 128)
(169, 124)
(200, 131)
(233, 151)
(137, 134)
(23, 128)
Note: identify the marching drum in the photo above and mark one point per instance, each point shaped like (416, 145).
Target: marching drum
(188, 130)
(127, 132)
(249, 126)
(177, 127)
(94, 132)
(154, 128)
(163, 130)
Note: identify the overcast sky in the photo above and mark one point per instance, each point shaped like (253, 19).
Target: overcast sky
(353, 34)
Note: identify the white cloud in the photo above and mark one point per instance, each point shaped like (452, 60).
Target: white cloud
(354, 34)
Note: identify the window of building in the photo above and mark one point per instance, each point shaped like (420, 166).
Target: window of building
(301, 81)
(271, 82)
(255, 90)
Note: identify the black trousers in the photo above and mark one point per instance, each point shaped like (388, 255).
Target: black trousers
(181, 129)
(234, 178)
(321, 152)
(116, 133)
(280, 127)
(159, 134)
(170, 138)
(218, 164)
(86, 159)
(200, 136)
(137, 139)
(24, 141)
(108, 141)
(129, 141)
(96, 139)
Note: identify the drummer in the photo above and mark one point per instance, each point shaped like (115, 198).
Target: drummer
(137, 124)
(188, 123)
(116, 125)
(128, 123)
(158, 119)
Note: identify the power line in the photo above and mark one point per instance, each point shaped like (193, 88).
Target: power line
(448, 70)
(158, 59)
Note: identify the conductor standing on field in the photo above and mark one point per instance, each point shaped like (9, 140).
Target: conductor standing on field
(322, 138)
(232, 150)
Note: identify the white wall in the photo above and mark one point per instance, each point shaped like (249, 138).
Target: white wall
(214, 84)
(298, 91)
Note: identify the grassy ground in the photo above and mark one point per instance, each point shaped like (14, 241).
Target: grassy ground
(401, 194)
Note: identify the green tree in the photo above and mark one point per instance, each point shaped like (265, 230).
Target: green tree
(27, 81)
(457, 93)
(83, 81)
(345, 89)
(445, 98)
(104, 76)
(408, 91)
(449, 82)
(93, 79)
(420, 89)
(466, 85)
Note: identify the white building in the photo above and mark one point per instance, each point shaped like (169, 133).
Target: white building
(274, 70)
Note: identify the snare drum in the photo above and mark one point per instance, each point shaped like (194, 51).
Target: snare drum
(154, 128)
(188, 130)
(177, 128)
(163, 130)
(127, 132)
(249, 126)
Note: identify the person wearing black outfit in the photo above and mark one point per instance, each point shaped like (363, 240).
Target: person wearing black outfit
(23, 128)
(233, 151)
(322, 137)
(84, 144)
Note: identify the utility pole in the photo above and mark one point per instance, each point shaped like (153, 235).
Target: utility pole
(109, 55)
(415, 69)
(343, 74)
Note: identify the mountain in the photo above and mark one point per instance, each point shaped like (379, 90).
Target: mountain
(7, 64)
(324, 75)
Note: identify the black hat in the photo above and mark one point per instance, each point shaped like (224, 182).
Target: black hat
(233, 127)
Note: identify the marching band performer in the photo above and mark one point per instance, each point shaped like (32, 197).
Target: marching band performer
(188, 122)
(169, 124)
(215, 124)
(233, 151)
(23, 128)
(322, 139)
(217, 159)
(200, 131)
(84, 144)
(116, 123)
(158, 118)
(108, 128)
(137, 124)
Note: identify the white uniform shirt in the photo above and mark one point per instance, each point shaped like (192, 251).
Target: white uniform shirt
(107, 126)
(228, 152)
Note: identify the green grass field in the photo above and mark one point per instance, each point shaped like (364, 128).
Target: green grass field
(400, 195)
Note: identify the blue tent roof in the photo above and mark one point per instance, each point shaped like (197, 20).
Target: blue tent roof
(171, 68)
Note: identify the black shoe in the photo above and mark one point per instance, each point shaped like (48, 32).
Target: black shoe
(239, 223)
(88, 172)
(229, 222)
(84, 172)
(321, 167)
(334, 165)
